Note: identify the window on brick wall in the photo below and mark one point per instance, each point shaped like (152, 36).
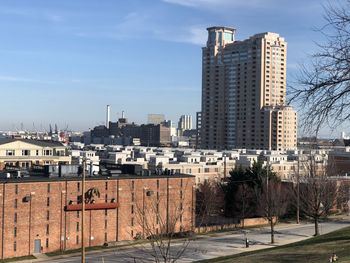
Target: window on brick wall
(48, 188)
(15, 246)
(15, 231)
(47, 243)
(48, 201)
(47, 229)
(106, 185)
(16, 203)
(78, 187)
(77, 239)
(47, 215)
(16, 189)
(77, 228)
(15, 219)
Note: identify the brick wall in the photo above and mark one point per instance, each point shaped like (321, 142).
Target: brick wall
(32, 211)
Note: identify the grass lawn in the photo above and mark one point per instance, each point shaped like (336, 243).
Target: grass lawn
(17, 259)
(316, 249)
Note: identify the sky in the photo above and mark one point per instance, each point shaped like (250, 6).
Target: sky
(63, 61)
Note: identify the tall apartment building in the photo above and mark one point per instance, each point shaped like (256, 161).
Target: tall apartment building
(244, 92)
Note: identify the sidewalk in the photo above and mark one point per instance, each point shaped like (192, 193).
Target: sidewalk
(206, 238)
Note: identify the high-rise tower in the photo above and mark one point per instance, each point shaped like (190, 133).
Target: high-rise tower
(244, 92)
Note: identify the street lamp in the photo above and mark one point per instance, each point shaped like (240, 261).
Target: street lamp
(83, 211)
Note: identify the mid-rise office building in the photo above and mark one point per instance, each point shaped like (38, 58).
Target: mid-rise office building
(185, 122)
(155, 119)
(41, 214)
(244, 93)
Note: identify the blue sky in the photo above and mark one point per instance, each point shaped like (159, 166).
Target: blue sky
(62, 61)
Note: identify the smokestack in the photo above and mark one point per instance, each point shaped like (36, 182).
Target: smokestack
(122, 114)
(108, 114)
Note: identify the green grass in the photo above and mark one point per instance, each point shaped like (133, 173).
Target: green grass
(17, 259)
(316, 249)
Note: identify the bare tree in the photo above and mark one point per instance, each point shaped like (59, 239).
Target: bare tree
(343, 197)
(272, 202)
(318, 193)
(245, 195)
(162, 220)
(209, 202)
(324, 86)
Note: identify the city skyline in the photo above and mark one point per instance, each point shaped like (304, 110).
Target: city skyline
(63, 61)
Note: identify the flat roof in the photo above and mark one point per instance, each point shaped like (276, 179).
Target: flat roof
(221, 27)
(42, 178)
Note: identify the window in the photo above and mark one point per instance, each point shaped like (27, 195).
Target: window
(106, 237)
(78, 187)
(15, 246)
(15, 219)
(77, 239)
(48, 201)
(48, 188)
(16, 189)
(132, 185)
(15, 231)
(10, 152)
(48, 215)
(106, 212)
(106, 185)
(25, 152)
(132, 209)
(132, 221)
(78, 214)
(47, 242)
(47, 229)
(132, 197)
(16, 203)
(106, 224)
(157, 184)
(106, 198)
(77, 227)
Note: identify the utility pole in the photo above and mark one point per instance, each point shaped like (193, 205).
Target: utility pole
(298, 190)
(83, 212)
(224, 155)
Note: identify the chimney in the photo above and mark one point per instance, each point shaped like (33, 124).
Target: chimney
(122, 114)
(108, 113)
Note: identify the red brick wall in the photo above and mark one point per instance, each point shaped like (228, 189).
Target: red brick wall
(101, 226)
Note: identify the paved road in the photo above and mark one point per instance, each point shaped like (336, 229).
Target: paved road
(215, 245)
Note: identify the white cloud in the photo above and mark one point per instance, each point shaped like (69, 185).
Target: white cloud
(217, 3)
(18, 79)
(195, 34)
(54, 18)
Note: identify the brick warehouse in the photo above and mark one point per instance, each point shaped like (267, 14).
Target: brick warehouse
(40, 215)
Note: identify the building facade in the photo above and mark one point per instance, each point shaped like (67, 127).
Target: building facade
(23, 153)
(41, 215)
(243, 82)
(185, 123)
